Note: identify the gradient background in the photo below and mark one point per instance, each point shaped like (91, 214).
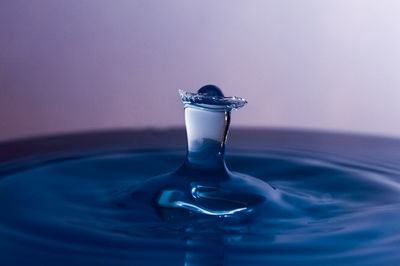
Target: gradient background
(79, 65)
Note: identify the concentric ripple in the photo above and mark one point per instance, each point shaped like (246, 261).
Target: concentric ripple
(68, 213)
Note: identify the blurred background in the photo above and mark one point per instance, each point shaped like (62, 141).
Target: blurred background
(79, 65)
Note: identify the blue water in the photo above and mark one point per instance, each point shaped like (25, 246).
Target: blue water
(70, 201)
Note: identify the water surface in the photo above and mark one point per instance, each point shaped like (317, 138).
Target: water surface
(62, 201)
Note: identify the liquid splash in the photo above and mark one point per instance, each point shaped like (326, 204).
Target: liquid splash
(203, 185)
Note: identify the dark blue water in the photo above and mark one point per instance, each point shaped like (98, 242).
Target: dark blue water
(65, 201)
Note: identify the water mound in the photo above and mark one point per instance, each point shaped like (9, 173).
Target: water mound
(204, 185)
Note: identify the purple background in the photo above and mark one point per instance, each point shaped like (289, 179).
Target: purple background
(93, 64)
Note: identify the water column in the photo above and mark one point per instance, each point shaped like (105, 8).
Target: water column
(207, 125)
